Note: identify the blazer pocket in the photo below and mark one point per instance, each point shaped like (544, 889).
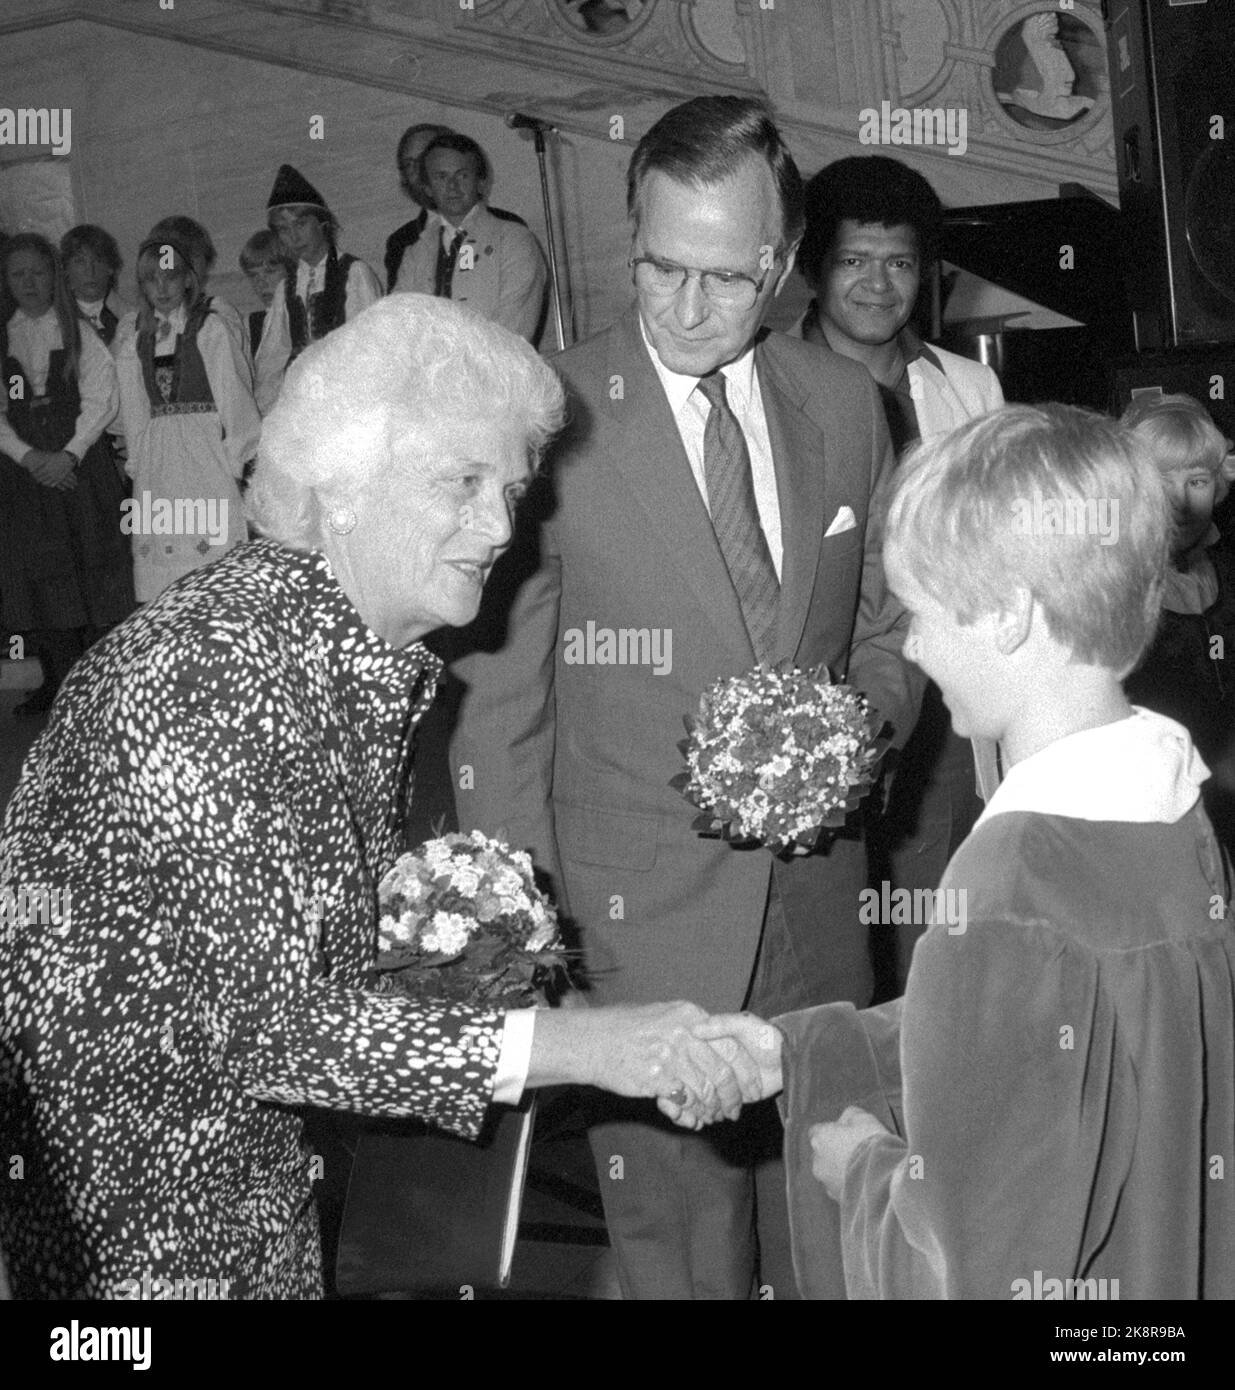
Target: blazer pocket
(615, 839)
(842, 541)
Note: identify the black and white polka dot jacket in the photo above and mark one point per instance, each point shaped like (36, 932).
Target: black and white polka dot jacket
(215, 799)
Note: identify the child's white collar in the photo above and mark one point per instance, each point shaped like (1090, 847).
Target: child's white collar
(1142, 770)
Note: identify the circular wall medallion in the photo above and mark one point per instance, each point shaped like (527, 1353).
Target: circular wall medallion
(1049, 75)
(602, 20)
(715, 23)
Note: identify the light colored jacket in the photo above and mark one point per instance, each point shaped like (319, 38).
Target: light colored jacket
(503, 278)
(952, 392)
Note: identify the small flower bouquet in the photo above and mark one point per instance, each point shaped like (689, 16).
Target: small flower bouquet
(461, 920)
(779, 755)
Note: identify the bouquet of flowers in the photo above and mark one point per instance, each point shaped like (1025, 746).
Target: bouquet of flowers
(463, 921)
(778, 755)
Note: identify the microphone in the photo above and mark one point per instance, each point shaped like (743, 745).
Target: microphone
(516, 120)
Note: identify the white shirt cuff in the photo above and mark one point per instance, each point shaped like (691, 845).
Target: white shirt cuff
(516, 1057)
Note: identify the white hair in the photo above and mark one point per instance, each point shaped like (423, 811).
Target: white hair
(410, 368)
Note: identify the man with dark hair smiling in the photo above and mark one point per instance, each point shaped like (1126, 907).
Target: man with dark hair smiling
(722, 484)
(872, 230)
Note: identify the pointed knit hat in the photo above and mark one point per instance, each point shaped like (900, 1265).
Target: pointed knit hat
(291, 189)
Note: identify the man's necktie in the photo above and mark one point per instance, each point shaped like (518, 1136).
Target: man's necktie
(735, 518)
(446, 261)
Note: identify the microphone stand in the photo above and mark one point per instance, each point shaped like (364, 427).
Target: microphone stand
(538, 131)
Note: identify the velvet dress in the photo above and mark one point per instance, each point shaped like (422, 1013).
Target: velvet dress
(1059, 1078)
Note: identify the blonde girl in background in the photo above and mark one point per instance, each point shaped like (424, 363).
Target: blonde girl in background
(189, 420)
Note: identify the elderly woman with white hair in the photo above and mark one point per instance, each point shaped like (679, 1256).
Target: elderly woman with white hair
(215, 799)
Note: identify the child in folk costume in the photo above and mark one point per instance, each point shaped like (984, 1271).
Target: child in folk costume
(65, 570)
(325, 290)
(92, 265)
(196, 240)
(189, 419)
(267, 266)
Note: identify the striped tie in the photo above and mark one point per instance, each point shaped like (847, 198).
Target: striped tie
(446, 262)
(735, 518)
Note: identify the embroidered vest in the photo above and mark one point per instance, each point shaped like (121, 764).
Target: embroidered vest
(179, 386)
(327, 309)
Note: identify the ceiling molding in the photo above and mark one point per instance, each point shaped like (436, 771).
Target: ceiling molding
(373, 45)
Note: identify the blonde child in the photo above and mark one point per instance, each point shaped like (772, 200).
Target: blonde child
(189, 420)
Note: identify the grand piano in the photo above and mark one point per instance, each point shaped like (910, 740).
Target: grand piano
(1120, 348)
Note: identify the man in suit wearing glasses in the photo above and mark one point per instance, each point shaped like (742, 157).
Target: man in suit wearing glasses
(719, 487)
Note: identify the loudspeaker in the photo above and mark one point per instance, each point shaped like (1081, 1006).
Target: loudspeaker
(1172, 68)
(1207, 375)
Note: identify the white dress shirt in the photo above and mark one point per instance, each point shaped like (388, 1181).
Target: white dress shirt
(450, 231)
(32, 341)
(690, 413)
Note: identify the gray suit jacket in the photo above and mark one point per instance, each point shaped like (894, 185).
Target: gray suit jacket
(502, 277)
(573, 760)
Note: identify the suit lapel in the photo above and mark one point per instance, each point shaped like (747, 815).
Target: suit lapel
(654, 463)
(798, 457)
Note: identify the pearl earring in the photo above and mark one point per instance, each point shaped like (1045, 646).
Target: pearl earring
(341, 520)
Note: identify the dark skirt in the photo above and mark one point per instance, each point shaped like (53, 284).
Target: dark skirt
(64, 562)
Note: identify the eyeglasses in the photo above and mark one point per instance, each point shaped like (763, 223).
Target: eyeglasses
(728, 287)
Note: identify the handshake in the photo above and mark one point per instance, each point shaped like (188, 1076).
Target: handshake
(698, 1068)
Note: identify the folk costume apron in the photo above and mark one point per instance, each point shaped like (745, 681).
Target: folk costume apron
(187, 504)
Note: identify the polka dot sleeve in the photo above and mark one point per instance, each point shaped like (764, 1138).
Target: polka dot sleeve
(261, 924)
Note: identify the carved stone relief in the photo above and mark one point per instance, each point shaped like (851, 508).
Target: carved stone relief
(1049, 76)
(702, 40)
